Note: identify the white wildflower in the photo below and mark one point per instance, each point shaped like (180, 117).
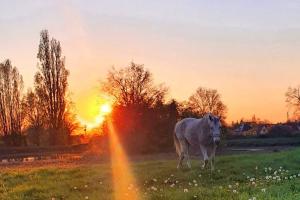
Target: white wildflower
(153, 188)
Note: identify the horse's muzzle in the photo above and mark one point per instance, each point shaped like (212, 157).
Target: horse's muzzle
(217, 141)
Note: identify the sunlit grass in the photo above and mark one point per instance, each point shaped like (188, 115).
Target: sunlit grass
(160, 180)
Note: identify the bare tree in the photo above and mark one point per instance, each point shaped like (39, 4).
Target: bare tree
(34, 112)
(133, 85)
(292, 98)
(207, 101)
(11, 115)
(71, 124)
(51, 82)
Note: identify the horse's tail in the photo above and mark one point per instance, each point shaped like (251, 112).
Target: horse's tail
(177, 144)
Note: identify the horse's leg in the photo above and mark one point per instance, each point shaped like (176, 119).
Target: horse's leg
(204, 153)
(181, 154)
(188, 158)
(185, 152)
(180, 159)
(212, 161)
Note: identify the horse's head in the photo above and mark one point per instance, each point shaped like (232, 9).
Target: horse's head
(215, 128)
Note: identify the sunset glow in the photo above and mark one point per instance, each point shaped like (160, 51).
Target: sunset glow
(248, 55)
(103, 111)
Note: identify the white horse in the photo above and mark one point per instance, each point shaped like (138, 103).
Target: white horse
(197, 134)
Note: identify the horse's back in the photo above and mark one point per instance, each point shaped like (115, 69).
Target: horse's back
(184, 127)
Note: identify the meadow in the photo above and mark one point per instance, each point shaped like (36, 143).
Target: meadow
(244, 176)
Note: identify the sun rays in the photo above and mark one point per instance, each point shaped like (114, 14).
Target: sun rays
(124, 183)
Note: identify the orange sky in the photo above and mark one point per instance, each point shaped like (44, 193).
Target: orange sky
(245, 50)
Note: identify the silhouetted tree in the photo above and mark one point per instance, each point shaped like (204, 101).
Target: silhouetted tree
(207, 101)
(133, 85)
(292, 98)
(70, 123)
(11, 116)
(51, 82)
(35, 118)
(141, 116)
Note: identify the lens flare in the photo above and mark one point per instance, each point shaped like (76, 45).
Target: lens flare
(125, 186)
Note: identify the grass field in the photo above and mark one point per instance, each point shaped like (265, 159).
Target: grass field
(262, 176)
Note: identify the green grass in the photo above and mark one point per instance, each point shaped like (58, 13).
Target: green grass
(94, 181)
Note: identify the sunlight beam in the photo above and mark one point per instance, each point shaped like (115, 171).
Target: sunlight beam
(125, 186)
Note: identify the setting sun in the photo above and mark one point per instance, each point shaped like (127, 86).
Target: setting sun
(105, 109)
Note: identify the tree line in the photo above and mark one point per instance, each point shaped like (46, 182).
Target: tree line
(42, 111)
(142, 114)
(44, 114)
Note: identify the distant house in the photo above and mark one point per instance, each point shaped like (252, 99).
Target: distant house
(262, 130)
(243, 127)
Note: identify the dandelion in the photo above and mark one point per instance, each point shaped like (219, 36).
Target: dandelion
(52, 198)
(172, 185)
(172, 175)
(248, 177)
(153, 188)
(190, 183)
(234, 191)
(75, 188)
(85, 186)
(155, 180)
(199, 175)
(100, 182)
(279, 179)
(196, 185)
(86, 197)
(263, 189)
(176, 181)
(185, 190)
(230, 186)
(219, 171)
(195, 196)
(194, 181)
(220, 187)
(299, 175)
(237, 184)
(256, 168)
